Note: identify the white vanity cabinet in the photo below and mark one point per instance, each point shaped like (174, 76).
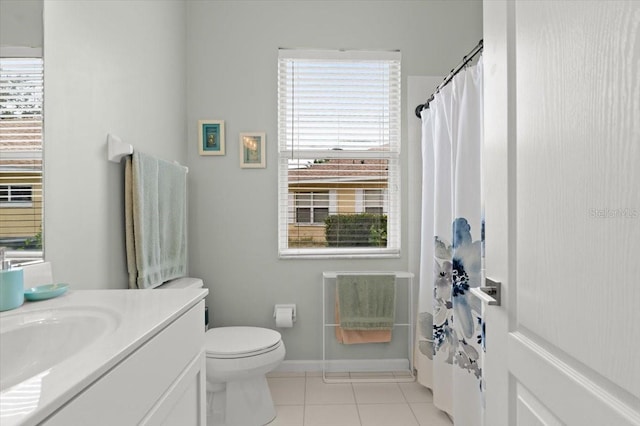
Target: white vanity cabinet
(162, 382)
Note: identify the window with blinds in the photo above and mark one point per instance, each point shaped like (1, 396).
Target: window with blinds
(338, 147)
(21, 207)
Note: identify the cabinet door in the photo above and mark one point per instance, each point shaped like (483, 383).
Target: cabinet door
(132, 389)
(184, 403)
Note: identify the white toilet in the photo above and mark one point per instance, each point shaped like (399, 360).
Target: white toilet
(238, 358)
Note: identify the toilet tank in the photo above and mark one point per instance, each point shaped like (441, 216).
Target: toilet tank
(184, 282)
(187, 282)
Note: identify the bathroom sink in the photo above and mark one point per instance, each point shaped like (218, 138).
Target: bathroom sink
(33, 341)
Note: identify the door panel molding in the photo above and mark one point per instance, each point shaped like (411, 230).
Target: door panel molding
(531, 412)
(576, 397)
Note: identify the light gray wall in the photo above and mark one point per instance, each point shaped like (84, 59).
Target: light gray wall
(110, 67)
(21, 23)
(123, 67)
(232, 49)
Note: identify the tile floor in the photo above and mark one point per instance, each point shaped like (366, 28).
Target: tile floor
(303, 399)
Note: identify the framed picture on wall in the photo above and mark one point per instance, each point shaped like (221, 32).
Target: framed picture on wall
(211, 137)
(252, 153)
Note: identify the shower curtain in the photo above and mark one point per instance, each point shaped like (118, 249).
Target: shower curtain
(449, 350)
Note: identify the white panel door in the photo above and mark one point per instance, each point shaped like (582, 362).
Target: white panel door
(562, 208)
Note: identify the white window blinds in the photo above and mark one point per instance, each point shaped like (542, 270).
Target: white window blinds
(21, 94)
(339, 138)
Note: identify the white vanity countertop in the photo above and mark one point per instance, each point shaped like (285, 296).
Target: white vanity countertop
(140, 314)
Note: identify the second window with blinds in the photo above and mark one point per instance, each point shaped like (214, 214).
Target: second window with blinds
(21, 193)
(338, 148)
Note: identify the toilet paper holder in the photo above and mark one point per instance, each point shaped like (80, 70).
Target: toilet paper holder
(285, 306)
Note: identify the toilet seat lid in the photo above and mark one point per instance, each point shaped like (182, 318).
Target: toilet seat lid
(240, 341)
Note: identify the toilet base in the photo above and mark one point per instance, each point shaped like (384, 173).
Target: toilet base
(241, 403)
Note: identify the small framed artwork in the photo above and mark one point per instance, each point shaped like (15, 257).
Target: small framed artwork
(211, 137)
(252, 154)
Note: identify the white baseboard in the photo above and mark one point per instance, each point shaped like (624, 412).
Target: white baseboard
(342, 365)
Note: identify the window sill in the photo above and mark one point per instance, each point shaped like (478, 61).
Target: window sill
(16, 204)
(22, 257)
(339, 253)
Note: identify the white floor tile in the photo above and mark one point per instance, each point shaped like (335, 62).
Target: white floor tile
(318, 392)
(331, 415)
(415, 392)
(386, 415)
(303, 399)
(428, 415)
(289, 415)
(287, 390)
(378, 393)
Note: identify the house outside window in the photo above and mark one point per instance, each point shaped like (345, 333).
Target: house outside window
(339, 146)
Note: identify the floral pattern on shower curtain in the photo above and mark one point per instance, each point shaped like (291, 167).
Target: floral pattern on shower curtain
(450, 330)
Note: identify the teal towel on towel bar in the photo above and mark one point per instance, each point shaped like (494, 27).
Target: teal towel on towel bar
(367, 302)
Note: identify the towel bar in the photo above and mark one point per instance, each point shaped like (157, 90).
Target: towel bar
(116, 150)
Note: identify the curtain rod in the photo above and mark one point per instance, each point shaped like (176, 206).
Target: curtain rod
(465, 60)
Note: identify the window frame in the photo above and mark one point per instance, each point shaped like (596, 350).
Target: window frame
(314, 204)
(391, 154)
(377, 203)
(9, 202)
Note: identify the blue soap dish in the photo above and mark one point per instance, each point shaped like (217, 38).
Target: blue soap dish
(43, 292)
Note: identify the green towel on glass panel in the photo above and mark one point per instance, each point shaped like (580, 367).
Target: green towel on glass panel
(367, 302)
